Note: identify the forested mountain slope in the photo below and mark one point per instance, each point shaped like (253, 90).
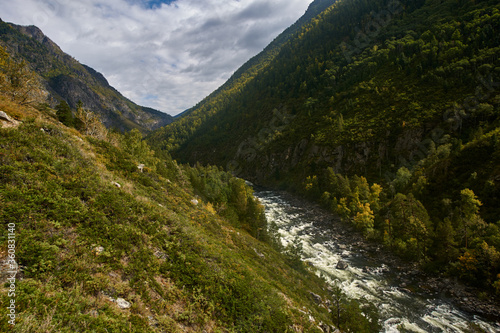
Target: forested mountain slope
(65, 79)
(388, 113)
(190, 120)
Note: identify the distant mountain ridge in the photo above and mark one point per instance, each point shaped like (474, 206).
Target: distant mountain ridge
(65, 78)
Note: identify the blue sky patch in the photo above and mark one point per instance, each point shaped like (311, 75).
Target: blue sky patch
(157, 3)
(151, 4)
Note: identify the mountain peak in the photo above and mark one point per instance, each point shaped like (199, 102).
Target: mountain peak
(37, 34)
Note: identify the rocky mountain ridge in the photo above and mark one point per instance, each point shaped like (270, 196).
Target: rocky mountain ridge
(64, 78)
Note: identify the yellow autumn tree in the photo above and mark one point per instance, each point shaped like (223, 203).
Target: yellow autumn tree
(364, 218)
(467, 265)
(468, 218)
(91, 123)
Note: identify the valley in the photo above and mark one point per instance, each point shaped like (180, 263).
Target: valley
(371, 130)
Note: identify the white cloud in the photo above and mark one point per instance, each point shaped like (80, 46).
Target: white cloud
(168, 57)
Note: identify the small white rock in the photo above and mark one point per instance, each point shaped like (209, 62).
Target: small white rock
(5, 116)
(259, 254)
(123, 304)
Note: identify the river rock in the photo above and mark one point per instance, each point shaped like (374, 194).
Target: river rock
(342, 265)
(405, 290)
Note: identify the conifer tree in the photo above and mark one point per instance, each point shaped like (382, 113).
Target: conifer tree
(64, 114)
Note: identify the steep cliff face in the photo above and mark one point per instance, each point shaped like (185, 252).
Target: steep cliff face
(66, 79)
(277, 160)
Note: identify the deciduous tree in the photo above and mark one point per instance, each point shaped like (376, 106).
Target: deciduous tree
(91, 123)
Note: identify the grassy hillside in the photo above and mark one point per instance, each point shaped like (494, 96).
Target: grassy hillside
(387, 112)
(90, 227)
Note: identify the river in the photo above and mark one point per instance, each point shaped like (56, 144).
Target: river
(367, 278)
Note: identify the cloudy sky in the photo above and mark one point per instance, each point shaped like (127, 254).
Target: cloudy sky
(165, 54)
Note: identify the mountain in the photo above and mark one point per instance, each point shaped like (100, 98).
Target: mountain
(386, 112)
(189, 121)
(66, 79)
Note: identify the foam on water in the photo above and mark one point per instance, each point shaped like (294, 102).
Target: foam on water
(394, 325)
(397, 308)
